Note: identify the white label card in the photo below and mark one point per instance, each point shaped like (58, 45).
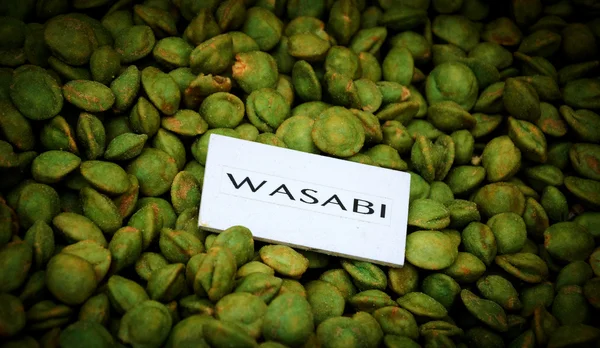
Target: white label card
(306, 201)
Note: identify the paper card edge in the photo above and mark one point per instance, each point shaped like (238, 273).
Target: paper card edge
(330, 253)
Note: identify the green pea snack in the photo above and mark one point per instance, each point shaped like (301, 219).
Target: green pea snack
(106, 111)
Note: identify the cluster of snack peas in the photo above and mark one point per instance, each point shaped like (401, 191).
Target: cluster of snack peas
(106, 108)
